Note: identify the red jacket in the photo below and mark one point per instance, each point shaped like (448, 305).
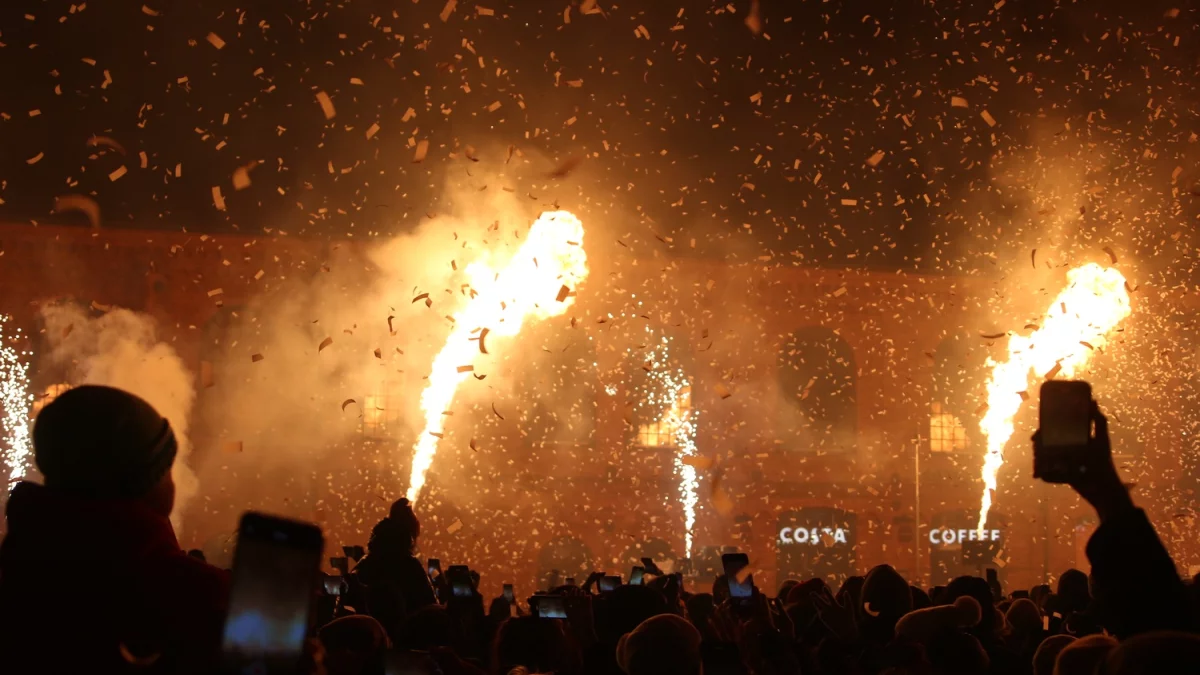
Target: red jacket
(92, 586)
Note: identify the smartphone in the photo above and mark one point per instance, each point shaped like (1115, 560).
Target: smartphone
(275, 569)
(1065, 424)
(741, 585)
(570, 581)
(354, 553)
(635, 577)
(434, 566)
(459, 578)
(333, 584)
(609, 583)
(340, 564)
(508, 594)
(548, 606)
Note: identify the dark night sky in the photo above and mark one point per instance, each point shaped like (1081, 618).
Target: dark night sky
(767, 141)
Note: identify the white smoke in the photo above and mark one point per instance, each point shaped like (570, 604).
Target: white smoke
(120, 349)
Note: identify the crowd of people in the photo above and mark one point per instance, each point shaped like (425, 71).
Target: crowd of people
(93, 580)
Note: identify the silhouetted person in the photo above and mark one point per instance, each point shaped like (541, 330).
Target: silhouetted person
(391, 562)
(92, 578)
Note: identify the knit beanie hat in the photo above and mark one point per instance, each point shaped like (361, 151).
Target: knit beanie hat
(923, 625)
(402, 513)
(102, 443)
(661, 645)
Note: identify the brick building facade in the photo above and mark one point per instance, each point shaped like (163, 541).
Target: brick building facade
(869, 361)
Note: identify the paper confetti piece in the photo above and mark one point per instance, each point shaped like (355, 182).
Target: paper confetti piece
(875, 159)
(346, 403)
(35, 159)
(215, 40)
(231, 447)
(958, 102)
(116, 175)
(324, 343)
(241, 178)
(255, 358)
(372, 130)
(85, 205)
(448, 10)
(987, 117)
(326, 105)
(218, 200)
(421, 152)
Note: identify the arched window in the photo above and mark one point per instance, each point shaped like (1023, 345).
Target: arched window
(959, 384)
(817, 376)
(561, 558)
(656, 549)
(557, 386)
(659, 397)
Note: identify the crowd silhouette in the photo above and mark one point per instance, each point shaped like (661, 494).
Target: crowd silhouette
(93, 580)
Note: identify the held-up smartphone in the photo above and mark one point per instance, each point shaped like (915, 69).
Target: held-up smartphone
(635, 577)
(434, 567)
(508, 594)
(1065, 424)
(548, 606)
(459, 578)
(333, 585)
(733, 564)
(354, 553)
(275, 570)
(609, 583)
(340, 564)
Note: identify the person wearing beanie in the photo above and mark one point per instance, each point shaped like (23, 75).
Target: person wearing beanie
(92, 551)
(1047, 653)
(923, 625)
(391, 558)
(1083, 656)
(661, 645)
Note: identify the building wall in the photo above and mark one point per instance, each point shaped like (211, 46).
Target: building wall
(891, 324)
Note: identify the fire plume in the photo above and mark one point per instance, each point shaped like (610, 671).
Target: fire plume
(537, 282)
(1094, 302)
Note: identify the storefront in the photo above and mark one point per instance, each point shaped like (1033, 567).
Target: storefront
(958, 547)
(816, 542)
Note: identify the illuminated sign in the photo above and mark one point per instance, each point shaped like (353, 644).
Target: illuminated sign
(814, 535)
(947, 536)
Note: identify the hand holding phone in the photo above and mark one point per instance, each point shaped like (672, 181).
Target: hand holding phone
(1064, 429)
(275, 571)
(1090, 469)
(741, 584)
(548, 606)
(609, 583)
(635, 576)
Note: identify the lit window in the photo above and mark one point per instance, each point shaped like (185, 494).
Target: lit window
(375, 418)
(661, 434)
(946, 433)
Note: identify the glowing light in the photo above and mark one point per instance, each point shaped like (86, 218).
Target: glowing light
(677, 427)
(1076, 323)
(14, 393)
(530, 284)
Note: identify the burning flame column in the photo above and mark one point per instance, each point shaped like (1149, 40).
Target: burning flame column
(1094, 302)
(14, 393)
(537, 282)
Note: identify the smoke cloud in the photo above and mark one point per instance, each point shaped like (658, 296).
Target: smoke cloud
(120, 349)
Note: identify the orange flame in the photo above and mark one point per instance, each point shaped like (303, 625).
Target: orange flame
(539, 281)
(1078, 321)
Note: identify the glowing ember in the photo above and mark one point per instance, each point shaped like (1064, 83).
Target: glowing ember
(14, 393)
(1091, 306)
(679, 423)
(537, 282)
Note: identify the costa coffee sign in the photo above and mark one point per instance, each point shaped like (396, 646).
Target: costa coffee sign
(802, 534)
(944, 536)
